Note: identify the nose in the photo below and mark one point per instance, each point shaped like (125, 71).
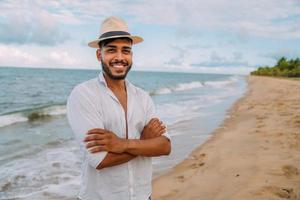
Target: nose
(119, 55)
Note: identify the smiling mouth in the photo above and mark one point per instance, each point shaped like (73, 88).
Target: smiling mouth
(118, 65)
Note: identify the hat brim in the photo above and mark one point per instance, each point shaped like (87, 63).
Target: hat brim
(135, 40)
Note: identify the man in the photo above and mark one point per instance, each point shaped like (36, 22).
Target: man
(115, 123)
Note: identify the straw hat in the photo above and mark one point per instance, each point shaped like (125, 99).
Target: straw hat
(114, 27)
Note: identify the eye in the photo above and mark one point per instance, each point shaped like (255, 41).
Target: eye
(110, 50)
(126, 51)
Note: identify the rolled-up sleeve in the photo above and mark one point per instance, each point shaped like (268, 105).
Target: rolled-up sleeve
(151, 113)
(83, 116)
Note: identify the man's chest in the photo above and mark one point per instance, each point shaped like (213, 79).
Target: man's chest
(116, 119)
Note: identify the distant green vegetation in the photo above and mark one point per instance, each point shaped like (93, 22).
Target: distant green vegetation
(283, 68)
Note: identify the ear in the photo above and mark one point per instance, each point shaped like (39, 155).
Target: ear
(99, 55)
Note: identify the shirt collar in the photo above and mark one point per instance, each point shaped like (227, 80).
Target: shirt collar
(103, 81)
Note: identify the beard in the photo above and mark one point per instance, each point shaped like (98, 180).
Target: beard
(109, 73)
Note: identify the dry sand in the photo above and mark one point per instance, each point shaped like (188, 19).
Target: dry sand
(254, 154)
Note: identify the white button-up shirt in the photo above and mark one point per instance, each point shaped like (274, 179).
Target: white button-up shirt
(93, 105)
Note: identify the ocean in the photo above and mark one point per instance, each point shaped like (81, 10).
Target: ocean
(39, 158)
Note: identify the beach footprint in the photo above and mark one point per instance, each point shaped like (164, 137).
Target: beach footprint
(297, 120)
(198, 161)
(181, 178)
(281, 192)
(290, 171)
(197, 165)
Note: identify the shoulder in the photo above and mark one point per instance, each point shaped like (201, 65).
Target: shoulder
(140, 92)
(85, 88)
(143, 96)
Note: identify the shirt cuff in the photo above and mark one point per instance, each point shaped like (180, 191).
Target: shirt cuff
(167, 136)
(96, 158)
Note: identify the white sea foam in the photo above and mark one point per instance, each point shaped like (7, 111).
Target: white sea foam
(6, 120)
(173, 113)
(224, 83)
(183, 110)
(59, 181)
(23, 116)
(188, 86)
(163, 91)
(194, 85)
(56, 110)
(178, 87)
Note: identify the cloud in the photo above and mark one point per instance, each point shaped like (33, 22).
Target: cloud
(185, 56)
(246, 18)
(28, 24)
(217, 60)
(11, 56)
(185, 52)
(224, 70)
(195, 46)
(242, 70)
(237, 55)
(43, 22)
(78, 12)
(46, 22)
(220, 64)
(51, 57)
(177, 59)
(62, 58)
(283, 52)
(194, 34)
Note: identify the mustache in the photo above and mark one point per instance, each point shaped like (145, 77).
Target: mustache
(119, 62)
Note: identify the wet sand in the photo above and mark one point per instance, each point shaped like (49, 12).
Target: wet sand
(254, 154)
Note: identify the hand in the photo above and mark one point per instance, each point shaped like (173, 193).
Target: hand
(102, 140)
(154, 128)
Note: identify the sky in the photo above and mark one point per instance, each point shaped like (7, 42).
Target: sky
(198, 36)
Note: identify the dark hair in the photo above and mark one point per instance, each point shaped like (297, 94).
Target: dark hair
(105, 42)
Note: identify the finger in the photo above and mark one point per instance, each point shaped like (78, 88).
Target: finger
(156, 129)
(153, 120)
(159, 123)
(96, 131)
(162, 124)
(161, 132)
(97, 149)
(154, 123)
(162, 128)
(95, 143)
(93, 137)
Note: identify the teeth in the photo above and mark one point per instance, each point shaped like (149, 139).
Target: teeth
(119, 66)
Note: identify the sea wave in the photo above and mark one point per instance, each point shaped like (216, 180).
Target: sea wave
(48, 111)
(194, 85)
(31, 114)
(220, 84)
(26, 178)
(178, 87)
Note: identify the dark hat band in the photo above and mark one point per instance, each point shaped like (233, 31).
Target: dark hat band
(114, 33)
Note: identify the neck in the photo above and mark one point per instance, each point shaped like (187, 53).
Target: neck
(114, 84)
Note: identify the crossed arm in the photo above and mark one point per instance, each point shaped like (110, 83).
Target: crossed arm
(152, 143)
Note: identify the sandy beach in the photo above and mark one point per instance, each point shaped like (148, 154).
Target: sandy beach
(254, 154)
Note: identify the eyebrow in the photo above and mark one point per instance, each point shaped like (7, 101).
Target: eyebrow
(113, 46)
(110, 46)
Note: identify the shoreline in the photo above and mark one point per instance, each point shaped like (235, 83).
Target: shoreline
(251, 155)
